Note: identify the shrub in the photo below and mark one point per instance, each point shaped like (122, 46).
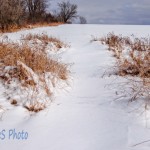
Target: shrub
(11, 13)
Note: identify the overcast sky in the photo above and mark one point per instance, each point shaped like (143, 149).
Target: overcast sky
(113, 11)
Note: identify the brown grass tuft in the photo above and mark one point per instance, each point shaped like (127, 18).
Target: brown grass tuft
(10, 54)
(45, 39)
(13, 102)
(35, 107)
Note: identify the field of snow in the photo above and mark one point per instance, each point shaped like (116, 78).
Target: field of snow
(84, 115)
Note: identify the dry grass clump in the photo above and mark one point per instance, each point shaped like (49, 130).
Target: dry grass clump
(133, 61)
(35, 107)
(133, 54)
(136, 64)
(116, 43)
(10, 54)
(45, 39)
(13, 102)
(35, 71)
(113, 41)
(140, 44)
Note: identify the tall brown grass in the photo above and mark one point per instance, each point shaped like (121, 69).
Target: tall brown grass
(22, 62)
(45, 39)
(10, 54)
(15, 28)
(133, 61)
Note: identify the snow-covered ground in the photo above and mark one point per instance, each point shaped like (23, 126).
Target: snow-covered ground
(83, 116)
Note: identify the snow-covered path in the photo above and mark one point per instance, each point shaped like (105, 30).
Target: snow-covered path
(84, 117)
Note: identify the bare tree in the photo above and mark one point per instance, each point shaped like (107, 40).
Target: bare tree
(36, 8)
(67, 12)
(82, 20)
(11, 12)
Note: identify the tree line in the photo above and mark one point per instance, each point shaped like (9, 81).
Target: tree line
(20, 12)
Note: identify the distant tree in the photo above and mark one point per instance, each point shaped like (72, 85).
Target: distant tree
(36, 9)
(82, 20)
(50, 18)
(11, 12)
(67, 11)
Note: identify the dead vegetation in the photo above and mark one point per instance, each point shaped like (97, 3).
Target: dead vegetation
(44, 39)
(133, 63)
(36, 107)
(13, 102)
(34, 71)
(15, 28)
(12, 54)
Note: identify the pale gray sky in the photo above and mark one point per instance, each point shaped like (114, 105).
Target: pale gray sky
(113, 11)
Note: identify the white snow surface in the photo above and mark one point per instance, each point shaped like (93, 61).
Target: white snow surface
(83, 116)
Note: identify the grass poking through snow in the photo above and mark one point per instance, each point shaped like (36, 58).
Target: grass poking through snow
(132, 62)
(35, 73)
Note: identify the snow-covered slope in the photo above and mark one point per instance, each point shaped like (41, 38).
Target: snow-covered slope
(83, 116)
